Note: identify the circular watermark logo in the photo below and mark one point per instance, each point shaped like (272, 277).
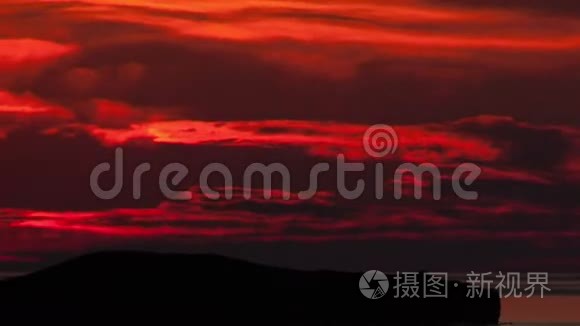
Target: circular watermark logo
(380, 141)
(373, 284)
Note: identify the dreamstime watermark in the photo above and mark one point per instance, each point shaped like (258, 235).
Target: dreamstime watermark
(378, 142)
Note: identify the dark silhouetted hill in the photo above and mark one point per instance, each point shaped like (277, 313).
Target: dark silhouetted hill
(131, 285)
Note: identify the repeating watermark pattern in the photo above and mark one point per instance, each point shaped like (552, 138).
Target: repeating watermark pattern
(378, 142)
(435, 285)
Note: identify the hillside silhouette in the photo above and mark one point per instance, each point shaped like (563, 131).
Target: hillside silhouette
(134, 285)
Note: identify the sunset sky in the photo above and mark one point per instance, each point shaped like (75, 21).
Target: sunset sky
(494, 83)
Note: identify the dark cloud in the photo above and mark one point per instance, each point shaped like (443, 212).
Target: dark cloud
(59, 22)
(556, 7)
(186, 81)
(525, 146)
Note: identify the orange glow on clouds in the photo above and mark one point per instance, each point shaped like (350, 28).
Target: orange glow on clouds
(363, 25)
(28, 108)
(17, 51)
(320, 138)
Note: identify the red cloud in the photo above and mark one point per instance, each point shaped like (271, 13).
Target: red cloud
(247, 81)
(19, 51)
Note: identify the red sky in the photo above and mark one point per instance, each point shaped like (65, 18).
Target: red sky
(296, 82)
